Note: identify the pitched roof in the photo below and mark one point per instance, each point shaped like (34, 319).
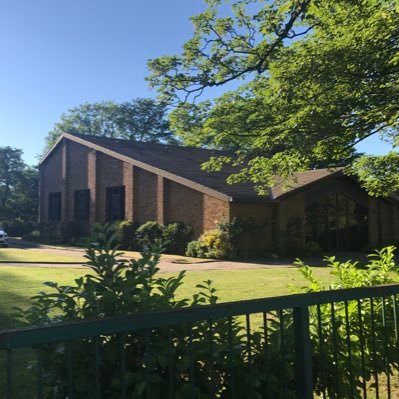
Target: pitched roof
(185, 162)
(304, 179)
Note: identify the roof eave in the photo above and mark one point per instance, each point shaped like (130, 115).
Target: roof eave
(48, 153)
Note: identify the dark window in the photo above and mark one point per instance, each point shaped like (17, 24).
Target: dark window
(115, 203)
(337, 222)
(82, 205)
(54, 206)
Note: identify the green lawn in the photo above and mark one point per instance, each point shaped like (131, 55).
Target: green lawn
(36, 255)
(51, 255)
(18, 284)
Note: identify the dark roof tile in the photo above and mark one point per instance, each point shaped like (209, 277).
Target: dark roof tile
(186, 162)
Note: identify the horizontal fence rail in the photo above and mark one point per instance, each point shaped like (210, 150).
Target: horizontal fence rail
(330, 344)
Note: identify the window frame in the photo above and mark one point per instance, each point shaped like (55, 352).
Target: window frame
(54, 206)
(81, 209)
(115, 193)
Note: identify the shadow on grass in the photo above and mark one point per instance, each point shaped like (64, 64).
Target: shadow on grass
(23, 370)
(316, 261)
(18, 243)
(10, 298)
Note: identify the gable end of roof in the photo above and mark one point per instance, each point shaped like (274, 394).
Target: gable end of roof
(166, 174)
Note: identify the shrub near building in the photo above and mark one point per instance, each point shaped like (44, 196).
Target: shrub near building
(130, 235)
(219, 243)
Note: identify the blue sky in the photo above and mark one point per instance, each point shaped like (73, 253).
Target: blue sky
(56, 54)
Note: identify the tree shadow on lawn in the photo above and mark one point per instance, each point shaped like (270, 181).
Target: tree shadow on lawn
(22, 372)
(318, 261)
(11, 297)
(15, 242)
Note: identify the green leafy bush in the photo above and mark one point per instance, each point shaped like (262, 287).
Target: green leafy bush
(176, 237)
(148, 233)
(232, 232)
(99, 233)
(125, 234)
(366, 341)
(18, 228)
(195, 250)
(220, 243)
(32, 236)
(215, 352)
(312, 248)
(120, 287)
(216, 244)
(71, 231)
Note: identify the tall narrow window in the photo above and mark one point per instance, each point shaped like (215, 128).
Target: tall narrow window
(54, 206)
(337, 222)
(115, 203)
(82, 205)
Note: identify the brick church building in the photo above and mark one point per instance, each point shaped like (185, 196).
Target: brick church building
(94, 179)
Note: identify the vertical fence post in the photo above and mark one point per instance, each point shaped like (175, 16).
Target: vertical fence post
(303, 353)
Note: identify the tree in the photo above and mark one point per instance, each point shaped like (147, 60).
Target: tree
(11, 169)
(141, 119)
(319, 78)
(19, 192)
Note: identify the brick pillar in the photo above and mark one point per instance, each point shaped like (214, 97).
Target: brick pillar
(43, 218)
(65, 206)
(160, 200)
(92, 184)
(128, 182)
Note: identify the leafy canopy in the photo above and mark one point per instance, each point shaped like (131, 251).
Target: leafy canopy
(320, 77)
(19, 191)
(141, 119)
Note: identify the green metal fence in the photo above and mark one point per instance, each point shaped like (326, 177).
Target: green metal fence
(332, 344)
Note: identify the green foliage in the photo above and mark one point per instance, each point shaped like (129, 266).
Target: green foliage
(176, 237)
(120, 287)
(195, 250)
(49, 233)
(366, 335)
(379, 175)
(379, 270)
(215, 244)
(71, 231)
(154, 357)
(34, 236)
(125, 231)
(141, 119)
(19, 192)
(320, 77)
(220, 243)
(312, 248)
(149, 233)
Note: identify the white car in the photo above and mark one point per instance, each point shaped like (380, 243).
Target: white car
(3, 238)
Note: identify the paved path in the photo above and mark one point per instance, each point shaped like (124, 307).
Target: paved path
(167, 265)
(164, 265)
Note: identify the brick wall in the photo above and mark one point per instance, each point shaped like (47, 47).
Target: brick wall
(92, 183)
(109, 174)
(145, 196)
(76, 175)
(215, 212)
(51, 180)
(128, 182)
(259, 234)
(183, 204)
(201, 211)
